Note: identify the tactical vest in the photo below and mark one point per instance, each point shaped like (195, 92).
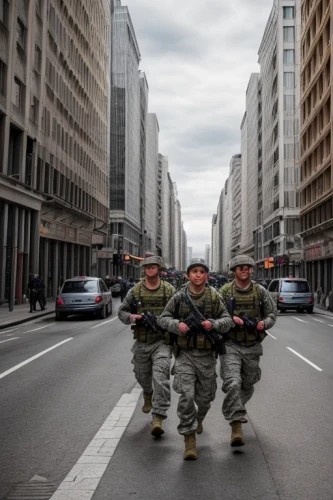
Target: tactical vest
(153, 302)
(248, 302)
(194, 340)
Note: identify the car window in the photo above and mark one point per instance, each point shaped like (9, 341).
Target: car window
(84, 286)
(102, 286)
(295, 286)
(273, 287)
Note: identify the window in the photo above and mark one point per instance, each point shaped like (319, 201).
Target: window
(288, 34)
(289, 80)
(289, 102)
(288, 57)
(34, 109)
(295, 286)
(288, 12)
(4, 11)
(20, 33)
(38, 58)
(18, 93)
(3, 74)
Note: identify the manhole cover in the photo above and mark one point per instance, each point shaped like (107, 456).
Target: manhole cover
(32, 491)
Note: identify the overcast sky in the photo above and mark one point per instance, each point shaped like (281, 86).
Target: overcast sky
(198, 57)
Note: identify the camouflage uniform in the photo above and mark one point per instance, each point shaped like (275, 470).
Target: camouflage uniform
(195, 365)
(240, 365)
(151, 356)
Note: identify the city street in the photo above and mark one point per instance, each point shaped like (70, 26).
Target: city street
(60, 381)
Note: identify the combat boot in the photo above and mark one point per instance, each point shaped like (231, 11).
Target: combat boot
(236, 434)
(199, 429)
(190, 447)
(147, 402)
(157, 426)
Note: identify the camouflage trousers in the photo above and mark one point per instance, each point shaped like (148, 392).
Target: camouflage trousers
(152, 371)
(195, 381)
(239, 372)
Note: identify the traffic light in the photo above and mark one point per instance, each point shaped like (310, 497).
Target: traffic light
(117, 259)
(269, 263)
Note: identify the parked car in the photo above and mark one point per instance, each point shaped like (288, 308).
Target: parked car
(292, 293)
(83, 294)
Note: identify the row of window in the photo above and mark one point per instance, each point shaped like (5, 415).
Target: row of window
(311, 31)
(313, 132)
(318, 90)
(317, 56)
(318, 215)
(317, 188)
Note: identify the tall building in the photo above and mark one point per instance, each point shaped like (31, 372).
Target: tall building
(151, 183)
(214, 244)
(183, 249)
(54, 139)
(177, 231)
(316, 142)
(207, 255)
(249, 152)
(189, 256)
(127, 126)
(236, 202)
(280, 122)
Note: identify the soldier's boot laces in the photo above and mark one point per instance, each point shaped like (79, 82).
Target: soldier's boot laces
(190, 447)
(147, 402)
(236, 434)
(157, 426)
(200, 427)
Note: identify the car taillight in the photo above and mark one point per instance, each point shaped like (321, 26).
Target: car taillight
(310, 300)
(98, 299)
(280, 299)
(59, 301)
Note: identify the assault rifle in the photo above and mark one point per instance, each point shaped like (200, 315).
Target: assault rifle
(194, 320)
(149, 321)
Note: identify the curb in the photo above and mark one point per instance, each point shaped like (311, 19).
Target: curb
(24, 320)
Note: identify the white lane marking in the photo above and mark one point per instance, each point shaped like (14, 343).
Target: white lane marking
(7, 331)
(329, 325)
(41, 328)
(8, 340)
(104, 323)
(82, 481)
(298, 319)
(270, 334)
(304, 359)
(2, 375)
(318, 320)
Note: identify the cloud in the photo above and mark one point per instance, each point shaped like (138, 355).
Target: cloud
(198, 58)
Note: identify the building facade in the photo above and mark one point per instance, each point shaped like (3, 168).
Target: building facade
(279, 58)
(152, 198)
(316, 187)
(236, 202)
(54, 139)
(128, 106)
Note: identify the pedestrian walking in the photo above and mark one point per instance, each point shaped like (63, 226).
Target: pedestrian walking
(195, 365)
(253, 311)
(151, 355)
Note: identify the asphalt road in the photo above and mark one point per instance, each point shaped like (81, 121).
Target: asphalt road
(53, 405)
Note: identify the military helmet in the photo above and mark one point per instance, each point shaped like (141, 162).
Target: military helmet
(240, 260)
(153, 259)
(196, 262)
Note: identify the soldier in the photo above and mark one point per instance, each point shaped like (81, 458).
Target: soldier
(152, 357)
(253, 311)
(195, 365)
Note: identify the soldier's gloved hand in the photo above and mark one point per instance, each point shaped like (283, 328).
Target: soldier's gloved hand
(260, 325)
(237, 321)
(183, 328)
(207, 325)
(134, 317)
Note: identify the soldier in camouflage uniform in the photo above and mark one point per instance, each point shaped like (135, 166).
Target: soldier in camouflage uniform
(151, 355)
(195, 365)
(240, 365)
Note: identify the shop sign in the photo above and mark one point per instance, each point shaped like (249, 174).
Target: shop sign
(97, 239)
(104, 255)
(313, 253)
(327, 249)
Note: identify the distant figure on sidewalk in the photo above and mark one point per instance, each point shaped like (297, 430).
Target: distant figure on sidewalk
(36, 288)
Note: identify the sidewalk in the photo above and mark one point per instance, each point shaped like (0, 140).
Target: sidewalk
(20, 314)
(322, 311)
